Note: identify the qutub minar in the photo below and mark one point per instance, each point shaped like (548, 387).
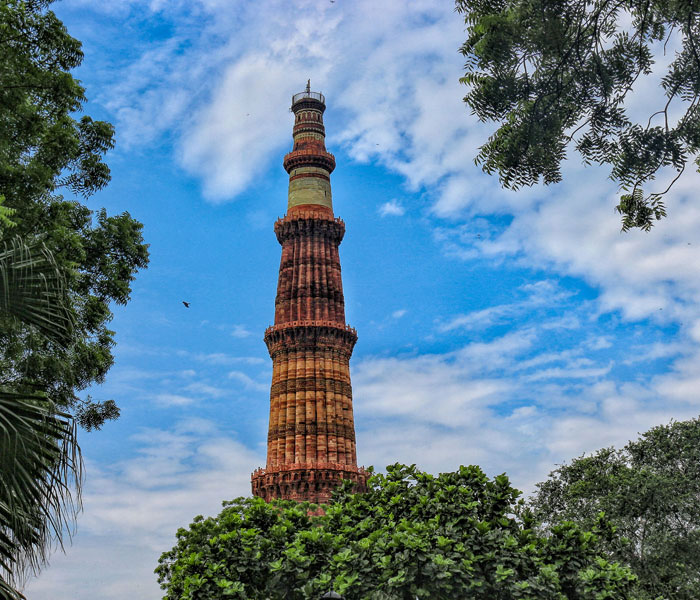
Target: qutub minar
(311, 439)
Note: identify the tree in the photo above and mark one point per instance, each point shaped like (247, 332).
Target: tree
(47, 147)
(650, 490)
(40, 464)
(556, 73)
(457, 535)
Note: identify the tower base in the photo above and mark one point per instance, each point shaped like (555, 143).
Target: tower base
(313, 482)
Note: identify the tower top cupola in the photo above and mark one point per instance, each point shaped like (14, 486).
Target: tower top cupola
(310, 99)
(309, 164)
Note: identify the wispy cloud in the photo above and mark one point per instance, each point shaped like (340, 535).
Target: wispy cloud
(655, 351)
(133, 508)
(392, 208)
(218, 358)
(240, 331)
(168, 400)
(413, 122)
(540, 294)
(206, 390)
(248, 381)
(497, 405)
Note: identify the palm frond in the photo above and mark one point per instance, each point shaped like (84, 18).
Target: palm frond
(32, 289)
(7, 592)
(40, 483)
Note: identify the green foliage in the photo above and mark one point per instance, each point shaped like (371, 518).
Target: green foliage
(41, 144)
(555, 73)
(650, 491)
(58, 277)
(5, 216)
(457, 535)
(46, 147)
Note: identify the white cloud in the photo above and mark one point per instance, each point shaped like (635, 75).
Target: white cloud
(167, 400)
(540, 294)
(219, 358)
(598, 342)
(392, 208)
(234, 138)
(443, 410)
(397, 314)
(205, 389)
(400, 104)
(657, 350)
(569, 373)
(133, 508)
(248, 382)
(407, 389)
(240, 331)
(481, 319)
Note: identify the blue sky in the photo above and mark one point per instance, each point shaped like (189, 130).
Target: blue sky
(510, 330)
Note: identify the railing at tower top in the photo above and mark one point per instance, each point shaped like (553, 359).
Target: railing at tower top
(313, 95)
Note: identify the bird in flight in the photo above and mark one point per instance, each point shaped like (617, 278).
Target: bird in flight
(187, 304)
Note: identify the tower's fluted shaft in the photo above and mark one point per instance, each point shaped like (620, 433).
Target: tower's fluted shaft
(311, 439)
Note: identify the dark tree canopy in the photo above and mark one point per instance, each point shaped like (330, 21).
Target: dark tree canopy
(555, 74)
(650, 490)
(457, 535)
(47, 147)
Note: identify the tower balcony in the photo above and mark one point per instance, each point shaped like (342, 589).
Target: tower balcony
(309, 158)
(308, 100)
(310, 223)
(312, 323)
(310, 334)
(310, 95)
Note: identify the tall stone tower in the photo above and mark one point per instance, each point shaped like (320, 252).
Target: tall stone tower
(311, 439)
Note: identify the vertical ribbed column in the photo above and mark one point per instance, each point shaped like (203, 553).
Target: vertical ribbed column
(311, 438)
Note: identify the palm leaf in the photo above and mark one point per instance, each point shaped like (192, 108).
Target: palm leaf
(40, 460)
(7, 592)
(40, 487)
(32, 289)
